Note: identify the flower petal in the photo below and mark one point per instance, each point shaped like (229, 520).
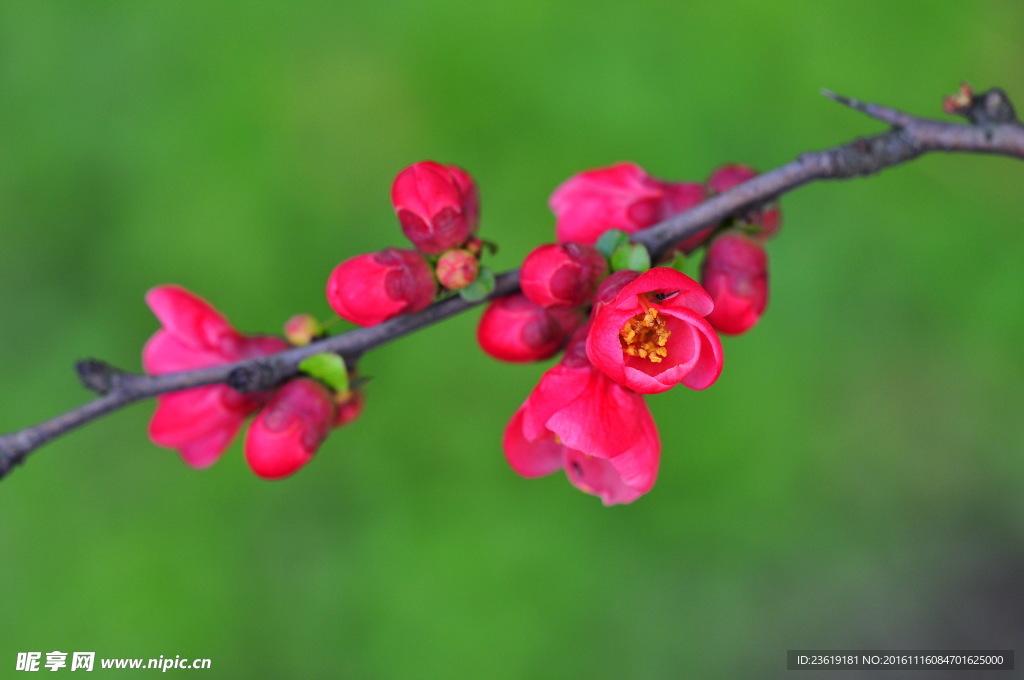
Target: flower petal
(200, 422)
(598, 477)
(530, 457)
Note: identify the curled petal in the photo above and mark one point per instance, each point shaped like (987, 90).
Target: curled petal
(200, 422)
(600, 478)
(530, 457)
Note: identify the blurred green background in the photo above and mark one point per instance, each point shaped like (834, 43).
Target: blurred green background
(854, 479)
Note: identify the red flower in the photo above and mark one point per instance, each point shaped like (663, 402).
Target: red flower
(653, 334)
(199, 422)
(565, 274)
(372, 288)
(290, 428)
(437, 205)
(578, 420)
(735, 274)
(513, 328)
(621, 196)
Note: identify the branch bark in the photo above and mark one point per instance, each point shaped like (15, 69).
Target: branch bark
(993, 129)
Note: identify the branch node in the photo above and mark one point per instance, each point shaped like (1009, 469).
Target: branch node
(258, 376)
(992, 107)
(99, 376)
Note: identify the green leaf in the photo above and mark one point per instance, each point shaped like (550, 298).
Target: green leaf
(327, 368)
(631, 256)
(678, 262)
(480, 288)
(610, 241)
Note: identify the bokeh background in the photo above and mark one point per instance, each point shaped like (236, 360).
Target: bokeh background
(854, 480)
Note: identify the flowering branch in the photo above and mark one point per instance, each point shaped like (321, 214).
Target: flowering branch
(992, 128)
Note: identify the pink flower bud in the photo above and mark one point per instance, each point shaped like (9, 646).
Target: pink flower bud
(290, 428)
(372, 288)
(301, 329)
(562, 274)
(457, 268)
(735, 274)
(768, 217)
(611, 286)
(513, 328)
(470, 196)
(653, 334)
(728, 176)
(200, 422)
(621, 196)
(437, 205)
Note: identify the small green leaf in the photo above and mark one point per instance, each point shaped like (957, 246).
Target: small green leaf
(610, 241)
(678, 262)
(631, 256)
(327, 368)
(480, 288)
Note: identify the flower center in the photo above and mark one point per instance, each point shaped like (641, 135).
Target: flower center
(645, 336)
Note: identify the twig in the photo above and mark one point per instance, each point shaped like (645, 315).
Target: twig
(993, 129)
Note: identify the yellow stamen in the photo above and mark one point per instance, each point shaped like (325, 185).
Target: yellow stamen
(645, 336)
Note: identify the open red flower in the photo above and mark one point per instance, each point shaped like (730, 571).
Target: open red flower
(199, 422)
(653, 334)
(622, 196)
(578, 420)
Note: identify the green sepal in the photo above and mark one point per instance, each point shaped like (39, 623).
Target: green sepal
(328, 368)
(631, 256)
(611, 241)
(480, 288)
(678, 262)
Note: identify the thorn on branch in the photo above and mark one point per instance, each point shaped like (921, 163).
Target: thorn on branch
(99, 376)
(876, 111)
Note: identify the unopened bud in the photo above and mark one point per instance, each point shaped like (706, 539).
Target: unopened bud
(290, 428)
(735, 274)
(372, 288)
(457, 268)
(562, 274)
(301, 329)
(437, 205)
(514, 329)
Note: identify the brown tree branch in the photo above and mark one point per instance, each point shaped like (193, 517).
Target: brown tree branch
(993, 129)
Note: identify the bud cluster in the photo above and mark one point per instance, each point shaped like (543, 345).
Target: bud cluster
(628, 329)
(438, 209)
